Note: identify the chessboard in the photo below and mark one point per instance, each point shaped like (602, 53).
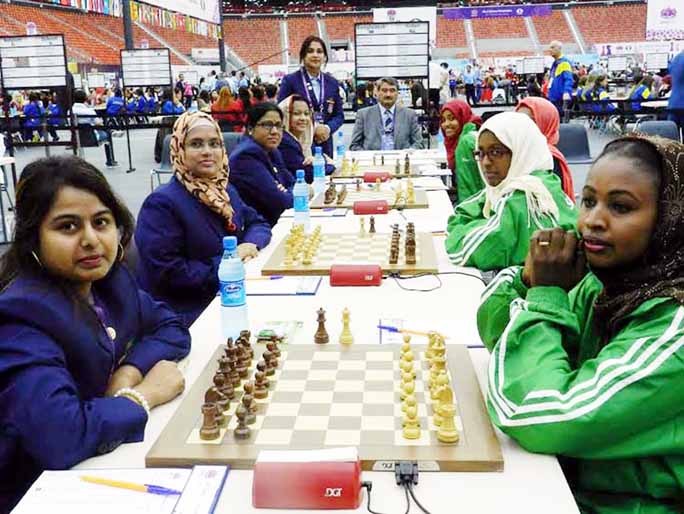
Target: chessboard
(396, 167)
(354, 195)
(354, 248)
(325, 396)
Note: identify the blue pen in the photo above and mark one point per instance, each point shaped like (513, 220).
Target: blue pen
(143, 488)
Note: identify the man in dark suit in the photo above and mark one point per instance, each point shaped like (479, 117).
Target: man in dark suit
(321, 90)
(386, 126)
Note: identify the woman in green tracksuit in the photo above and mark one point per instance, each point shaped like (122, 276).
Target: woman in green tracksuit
(589, 365)
(492, 229)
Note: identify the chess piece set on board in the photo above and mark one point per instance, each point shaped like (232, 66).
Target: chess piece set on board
(332, 195)
(440, 392)
(401, 196)
(301, 247)
(233, 373)
(321, 336)
(409, 244)
(362, 226)
(351, 168)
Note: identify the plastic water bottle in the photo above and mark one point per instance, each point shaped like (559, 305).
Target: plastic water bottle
(231, 275)
(318, 170)
(440, 141)
(340, 145)
(300, 192)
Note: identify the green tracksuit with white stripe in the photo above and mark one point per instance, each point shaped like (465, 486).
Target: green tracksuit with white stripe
(614, 411)
(502, 239)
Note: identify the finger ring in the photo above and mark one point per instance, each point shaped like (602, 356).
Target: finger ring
(543, 243)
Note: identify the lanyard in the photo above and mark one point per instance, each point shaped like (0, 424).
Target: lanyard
(306, 82)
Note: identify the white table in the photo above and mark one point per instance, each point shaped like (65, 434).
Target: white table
(529, 483)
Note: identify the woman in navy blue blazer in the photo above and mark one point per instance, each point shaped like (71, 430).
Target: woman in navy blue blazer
(181, 225)
(321, 90)
(257, 169)
(84, 354)
(295, 147)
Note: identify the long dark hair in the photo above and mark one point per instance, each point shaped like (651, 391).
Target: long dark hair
(307, 43)
(36, 191)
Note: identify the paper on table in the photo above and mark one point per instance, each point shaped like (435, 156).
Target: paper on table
(332, 212)
(64, 492)
(202, 490)
(445, 328)
(284, 286)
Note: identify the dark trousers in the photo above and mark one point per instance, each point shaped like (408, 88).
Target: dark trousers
(470, 94)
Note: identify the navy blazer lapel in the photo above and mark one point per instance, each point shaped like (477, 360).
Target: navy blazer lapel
(203, 211)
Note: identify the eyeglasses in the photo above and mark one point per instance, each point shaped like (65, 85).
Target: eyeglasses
(269, 125)
(492, 153)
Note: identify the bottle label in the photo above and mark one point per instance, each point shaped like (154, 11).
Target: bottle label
(301, 203)
(233, 293)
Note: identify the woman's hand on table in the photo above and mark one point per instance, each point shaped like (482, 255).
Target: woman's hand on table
(247, 251)
(162, 383)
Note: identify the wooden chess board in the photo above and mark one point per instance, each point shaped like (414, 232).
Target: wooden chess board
(325, 396)
(352, 248)
(363, 168)
(368, 193)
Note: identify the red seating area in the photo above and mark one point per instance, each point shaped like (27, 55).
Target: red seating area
(254, 39)
(298, 29)
(612, 24)
(516, 53)
(182, 41)
(498, 28)
(342, 27)
(450, 33)
(79, 46)
(550, 28)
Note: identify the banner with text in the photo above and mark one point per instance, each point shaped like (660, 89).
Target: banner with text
(665, 19)
(467, 13)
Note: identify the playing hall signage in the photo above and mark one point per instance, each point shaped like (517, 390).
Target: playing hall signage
(497, 12)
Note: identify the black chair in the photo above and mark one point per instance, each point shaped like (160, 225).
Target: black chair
(230, 141)
(488, 114)
(87, 138)
(165, 168)
(574, 143)
(666, 129)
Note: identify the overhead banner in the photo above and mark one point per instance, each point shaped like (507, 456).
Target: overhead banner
(391, 15)
(665, 19)
(467, 13)
(207, 10)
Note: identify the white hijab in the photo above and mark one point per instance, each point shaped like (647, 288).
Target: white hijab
(530, 152)
(305, 139)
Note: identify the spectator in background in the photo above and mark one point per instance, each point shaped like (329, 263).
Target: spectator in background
(601, 96)
(171, 104)
(560, 78)
(204, 101)
(221, 82)
(245, 97)
(419, 95)
(244, 80)
(86, 115)
(258, 94)
(469, 79)
(55, 116)
(234, 83)
(676, 101)
(271, 91)
(642, 92)
(229, 110)
(115, 105)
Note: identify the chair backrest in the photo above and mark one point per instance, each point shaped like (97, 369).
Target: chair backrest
(231, 140)
(663, 128)
(574, 143)
(488, 114)
(166, 155)
(86, 135)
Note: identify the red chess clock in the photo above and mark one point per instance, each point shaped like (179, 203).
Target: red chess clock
(373, 176)
(355, 275)
(307, 485)
(371, 207)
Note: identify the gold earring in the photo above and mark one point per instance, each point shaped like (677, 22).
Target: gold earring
(36, 258)
(122, 254)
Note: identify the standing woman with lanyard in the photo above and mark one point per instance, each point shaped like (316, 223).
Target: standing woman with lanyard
(321, 90)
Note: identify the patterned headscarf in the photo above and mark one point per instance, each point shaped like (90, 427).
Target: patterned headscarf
(211, 191)
(305, 139)
(661, 272)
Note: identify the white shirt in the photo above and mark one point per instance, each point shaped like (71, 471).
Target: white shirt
(80, 109)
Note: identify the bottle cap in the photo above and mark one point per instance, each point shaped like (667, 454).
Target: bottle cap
(318, 150)
(230, 243)
(300, 175)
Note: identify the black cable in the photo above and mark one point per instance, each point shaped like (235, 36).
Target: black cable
(369, 485)
(397, 277)
(420, 506)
